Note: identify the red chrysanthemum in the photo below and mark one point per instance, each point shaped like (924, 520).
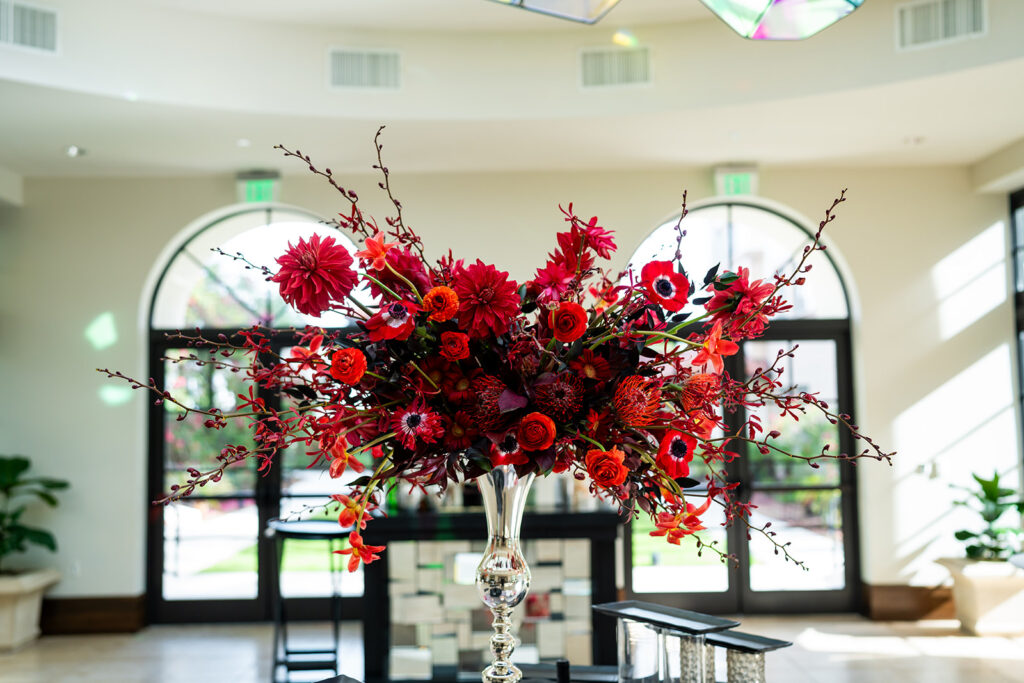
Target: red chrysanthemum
(675, 453)
(487, 300)
(461, 431)
(589, 365)
(488, 392)
(736, 302)
(665, 286)
(561, 399)
(315, 275)
(636, 400)
(416, 424)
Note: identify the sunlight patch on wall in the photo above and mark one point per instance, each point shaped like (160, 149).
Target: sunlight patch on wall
(971, 281)
(101, 333)
(114, 395)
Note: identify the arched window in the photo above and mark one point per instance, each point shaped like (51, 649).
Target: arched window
(207, 557)
(814, 509)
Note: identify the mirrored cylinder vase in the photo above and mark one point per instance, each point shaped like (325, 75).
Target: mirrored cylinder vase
(502, 577)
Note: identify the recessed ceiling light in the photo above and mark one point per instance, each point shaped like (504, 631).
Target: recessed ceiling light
(624, 38)
(243, 142)
(74, 151)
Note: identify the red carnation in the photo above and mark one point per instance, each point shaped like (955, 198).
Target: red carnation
(569, 321)
(675, 453)
(348, 365)
(665, 286)
(454, 345)
(536, 432)
(487, 300)
(394, 321)
(315, 274)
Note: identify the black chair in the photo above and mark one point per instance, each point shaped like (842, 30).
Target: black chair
(306, 659)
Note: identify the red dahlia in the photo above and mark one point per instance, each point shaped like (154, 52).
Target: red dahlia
(314, 275)
(665, 286)
(560, 399)
(636, 400)
(487, 300)
(416, 424)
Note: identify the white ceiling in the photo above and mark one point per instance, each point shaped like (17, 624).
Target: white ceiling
(437, 15)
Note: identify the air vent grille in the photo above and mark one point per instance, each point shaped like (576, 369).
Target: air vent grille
(603, 67)
(378, 69)
(923, 24)
(28, 26)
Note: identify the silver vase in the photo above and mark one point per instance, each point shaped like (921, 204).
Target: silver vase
(503, 578)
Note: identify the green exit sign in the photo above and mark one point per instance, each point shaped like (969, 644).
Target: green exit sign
(259, 190)
(732, 181)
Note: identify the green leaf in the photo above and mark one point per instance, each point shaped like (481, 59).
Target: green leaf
(47, 482)
(965, 535)
(45, 496)
(11, 468)
(39, 537)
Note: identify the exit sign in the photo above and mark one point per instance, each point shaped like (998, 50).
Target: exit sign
(257, 186)
(731, 181)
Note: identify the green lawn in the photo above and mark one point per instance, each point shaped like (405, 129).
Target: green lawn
(301, 556)
(649, 551)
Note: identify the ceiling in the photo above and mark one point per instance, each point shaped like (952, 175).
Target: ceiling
(500, 95)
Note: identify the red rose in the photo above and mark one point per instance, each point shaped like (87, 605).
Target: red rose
(454, 345)
(605, 467)
(348, 365)
(569, 321)
(536, 432)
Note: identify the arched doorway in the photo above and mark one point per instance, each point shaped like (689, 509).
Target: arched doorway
(207, 558)
(813, 508)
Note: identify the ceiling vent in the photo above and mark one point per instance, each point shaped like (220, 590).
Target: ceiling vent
(28, 26)
(604, 67)
(372, 69)
(935, 22)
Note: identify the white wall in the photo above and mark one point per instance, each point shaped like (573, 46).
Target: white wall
(933, 326)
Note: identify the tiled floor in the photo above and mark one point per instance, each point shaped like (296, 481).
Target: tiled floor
(834, 649)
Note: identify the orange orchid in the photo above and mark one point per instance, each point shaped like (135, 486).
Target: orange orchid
(682, 524)
(360, 552)
(714, 348)
(376, 251)
(341, 459)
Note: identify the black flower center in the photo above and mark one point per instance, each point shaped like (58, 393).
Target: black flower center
(664, 287)
(397, 311)
(508, 444)
(678, 449)
(413, 421)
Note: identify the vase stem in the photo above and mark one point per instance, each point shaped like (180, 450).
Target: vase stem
(503, 578)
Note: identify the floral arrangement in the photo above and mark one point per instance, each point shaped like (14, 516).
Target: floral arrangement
(456, 368)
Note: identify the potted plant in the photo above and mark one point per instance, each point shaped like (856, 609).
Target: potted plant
(988, 589)
(21, 592)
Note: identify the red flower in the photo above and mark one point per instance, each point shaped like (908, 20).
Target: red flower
(569, 321)
(442, 303)
(360, 552)
(675, 453)
(605, 467)
(394, 321)
(454, 345)
(457, 386)
(461, 431)
(699, 390)
(308, 358)
(589, 365)
(488, 391)
(553, 281)
(665, 286)
(341, 459)
(348, 365)
(736, 299)
(599, 239)
(506, 451)
(714, 348)
(681, 524)
(314, 275)
(406, 264)
(350, 510)
(560, 399)
(416, 424)
(636, 400)
(487, 300)
(536, 432)
(376, 251)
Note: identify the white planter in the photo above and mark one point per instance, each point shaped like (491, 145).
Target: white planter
(989, 595)
(21, 596)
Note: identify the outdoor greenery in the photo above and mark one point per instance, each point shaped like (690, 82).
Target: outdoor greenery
(991, 501)
(15, 486)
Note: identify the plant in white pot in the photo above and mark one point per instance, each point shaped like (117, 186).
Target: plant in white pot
(988, 589)
(21, 592)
